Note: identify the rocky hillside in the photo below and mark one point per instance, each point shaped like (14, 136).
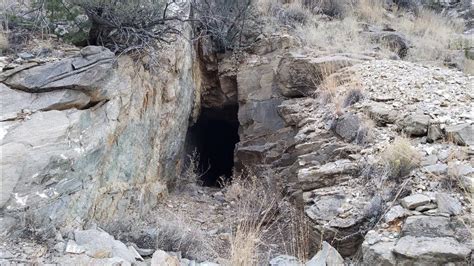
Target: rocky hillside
(325, 134)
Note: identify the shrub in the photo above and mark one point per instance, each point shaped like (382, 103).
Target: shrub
(353, 96)
(124, 25)
(332, 8)
(370, 10)
(400, 158)
(432, 34)
(178, 236)
(292, 14)
(411, 5)
(255, 202)
(224, 21)
(191, 174)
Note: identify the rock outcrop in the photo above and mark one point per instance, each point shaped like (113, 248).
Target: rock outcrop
(329, 160)
(92, 137)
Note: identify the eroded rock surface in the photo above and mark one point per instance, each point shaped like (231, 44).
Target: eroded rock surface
(91, 137)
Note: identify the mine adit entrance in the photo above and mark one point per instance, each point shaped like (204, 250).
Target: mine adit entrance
(213, 137)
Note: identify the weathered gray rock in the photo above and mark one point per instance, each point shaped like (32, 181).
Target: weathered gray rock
(299, 75)
(434, 133)
(347, 126)
(73, 248)
(379, 253)
(135, 253)
(162, 258)
(285, 260)
(326, 256)
(429, 160)
(448, 204)
(459, 170)
(462, 134)
(82, 71)
(437, 169)
(381, 113)
(99, 244)
(415, 124)
(428, 226)
(431, 250)
(394, 41)
(14, 102)
(326, 175)
(396, 212)
(95, 139)
(415, 200)
(427, 207)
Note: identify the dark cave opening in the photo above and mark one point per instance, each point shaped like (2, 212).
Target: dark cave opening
(214, 136)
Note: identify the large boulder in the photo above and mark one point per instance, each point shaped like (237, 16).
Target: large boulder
(326, 256)
(300, 75)
(462, 134)
(91, 137)
(415, 124)
(437, 250)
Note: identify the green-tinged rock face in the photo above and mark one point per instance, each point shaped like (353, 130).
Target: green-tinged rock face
(98, 142)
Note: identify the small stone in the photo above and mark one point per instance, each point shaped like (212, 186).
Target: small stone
(448, 204)
(381, 114)
(413, 201)
(74, 248)
(92, 50)
(379, 253)
(160, 257)
(415, 125)
(458, 170)
(372, 237)
(461, 134)
(429, 160)
(59, 247)
(434, 133)
(326, 256)
(394, 213)
(135, 253)
(347, 126)
(26, 56)
(425, 207)
(437, 169)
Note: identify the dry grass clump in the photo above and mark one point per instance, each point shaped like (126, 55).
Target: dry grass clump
(339, 36)
(177, 236)
(400, 158)
(255, 203)
(289, 14)
(365, 133)
(332, 8)
(191, 175)
(299, 242)
(371, 11)
(432, 35)
(353, 96)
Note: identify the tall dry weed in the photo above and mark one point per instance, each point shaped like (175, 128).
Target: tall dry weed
(400, 158)
(255, 204)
